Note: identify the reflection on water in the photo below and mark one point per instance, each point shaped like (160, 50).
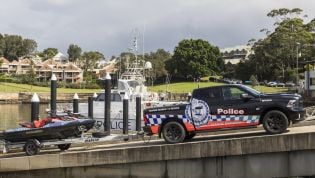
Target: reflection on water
(12, 114)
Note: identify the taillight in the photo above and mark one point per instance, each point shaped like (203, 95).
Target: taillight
(147, 105)
(146, 121)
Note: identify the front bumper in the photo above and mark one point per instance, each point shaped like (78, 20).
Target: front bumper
(297, 115)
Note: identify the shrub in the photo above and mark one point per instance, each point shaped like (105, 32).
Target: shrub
(253, 80)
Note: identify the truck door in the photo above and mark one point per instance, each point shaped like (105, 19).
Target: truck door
(236, 111)
(205, 103)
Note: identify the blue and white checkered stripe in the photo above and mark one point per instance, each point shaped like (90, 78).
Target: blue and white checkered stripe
(156, 119)
(244, 118)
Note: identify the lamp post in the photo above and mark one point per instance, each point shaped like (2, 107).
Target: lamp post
(297, 63)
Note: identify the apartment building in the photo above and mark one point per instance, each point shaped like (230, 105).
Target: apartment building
(66, 72)
(236, 54)
(4, 67)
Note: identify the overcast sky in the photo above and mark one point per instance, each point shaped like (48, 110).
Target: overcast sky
(107, 25)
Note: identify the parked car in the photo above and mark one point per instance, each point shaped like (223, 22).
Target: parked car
(272, 84)
(248, 82)
(289, 84)
(280, 85)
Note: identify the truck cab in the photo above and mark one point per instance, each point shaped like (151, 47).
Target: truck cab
(224, 107)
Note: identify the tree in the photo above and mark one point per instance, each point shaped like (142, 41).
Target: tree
(277, 52)
(28, 47)
(229, 70)
(158, 59)
(48, 53)
(74, 52)
(2, 45)
(244, 70)
(195, 58)
(253, 80)
(14, 46)
(88, 59)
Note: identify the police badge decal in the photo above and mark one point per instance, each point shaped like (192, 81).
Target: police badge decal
(199, 112)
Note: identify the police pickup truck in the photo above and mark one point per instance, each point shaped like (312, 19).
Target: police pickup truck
(224, 107)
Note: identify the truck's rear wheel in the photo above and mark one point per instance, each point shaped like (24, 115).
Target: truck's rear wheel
(275, 122)
(173, 132)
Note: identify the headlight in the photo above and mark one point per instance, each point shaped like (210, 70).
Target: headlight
(291, 103)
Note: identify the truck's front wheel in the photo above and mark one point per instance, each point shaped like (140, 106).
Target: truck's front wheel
(173, 132)
(275, 122)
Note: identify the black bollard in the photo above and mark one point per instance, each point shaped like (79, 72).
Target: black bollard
(90, 106)
(107, 103)
(34, 107)
(53, 95)
(75, 103)
(125, 114)
(138, 113)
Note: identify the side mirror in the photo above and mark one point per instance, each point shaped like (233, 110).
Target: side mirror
(245, 96)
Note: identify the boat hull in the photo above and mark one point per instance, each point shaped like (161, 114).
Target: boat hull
(58, 130)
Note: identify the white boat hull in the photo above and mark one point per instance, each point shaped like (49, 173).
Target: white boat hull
(116, 114)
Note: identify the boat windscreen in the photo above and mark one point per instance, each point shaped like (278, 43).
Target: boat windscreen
(121, 86)
(114, 97)
(133, 84)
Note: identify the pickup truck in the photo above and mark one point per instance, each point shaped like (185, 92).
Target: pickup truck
(224, 107)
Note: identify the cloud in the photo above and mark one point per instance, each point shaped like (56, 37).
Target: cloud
(106, 25)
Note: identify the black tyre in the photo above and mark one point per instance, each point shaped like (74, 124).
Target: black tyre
(275, 122)
(64, 147)
(190, 135)
(31, 148)
(173, 132)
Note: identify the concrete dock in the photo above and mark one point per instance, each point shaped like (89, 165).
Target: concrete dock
(251, 154)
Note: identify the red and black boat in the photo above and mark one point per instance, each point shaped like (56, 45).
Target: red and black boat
(48, 129)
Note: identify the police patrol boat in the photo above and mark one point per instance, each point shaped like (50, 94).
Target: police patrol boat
(130, 83)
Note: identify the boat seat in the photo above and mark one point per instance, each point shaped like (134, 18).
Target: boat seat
(36, 124)
(41, 122)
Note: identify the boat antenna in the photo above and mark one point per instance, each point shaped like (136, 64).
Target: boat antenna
(135, 44)
(143, 41)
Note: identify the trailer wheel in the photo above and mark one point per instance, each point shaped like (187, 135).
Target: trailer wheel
(64, 147)
(31, 147)
(173, 132)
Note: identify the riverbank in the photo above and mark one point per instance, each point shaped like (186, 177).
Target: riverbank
(17, 87)
(25, 97)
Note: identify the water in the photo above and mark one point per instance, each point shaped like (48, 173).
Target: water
(12, 114)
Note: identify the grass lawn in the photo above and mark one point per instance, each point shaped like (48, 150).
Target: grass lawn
(15, 88)
(185, 87)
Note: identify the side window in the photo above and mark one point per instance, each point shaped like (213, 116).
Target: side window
(210, 95)
(232, 93)
(101, 97)
(115, 97)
